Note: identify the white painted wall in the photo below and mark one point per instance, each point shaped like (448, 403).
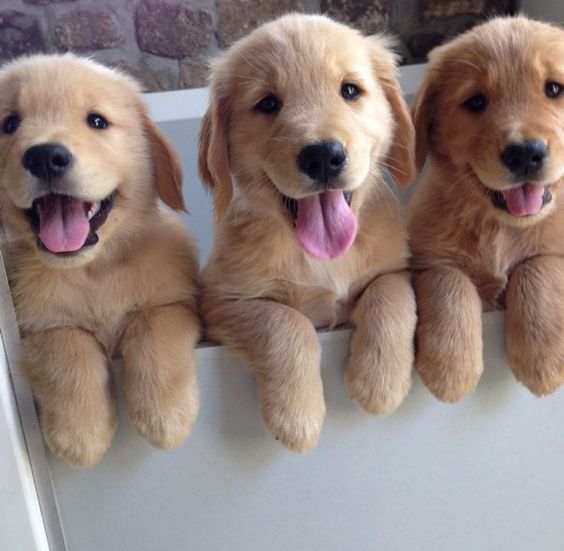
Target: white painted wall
(486, 473)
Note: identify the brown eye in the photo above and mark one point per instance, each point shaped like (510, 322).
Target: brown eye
(476, 103)
(552, 89)
(11, 124)
(97, 121)
(350, 91)
(269, 104)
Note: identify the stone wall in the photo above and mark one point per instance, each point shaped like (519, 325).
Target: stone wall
(165, 43)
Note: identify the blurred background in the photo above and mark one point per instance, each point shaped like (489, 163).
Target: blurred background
(165, 43)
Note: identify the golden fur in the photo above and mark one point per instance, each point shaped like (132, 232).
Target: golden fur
(134, 292)
(262, 294)
(469, 254)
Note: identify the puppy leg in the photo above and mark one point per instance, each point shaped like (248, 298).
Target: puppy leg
(449, 332)
(69, 375)
(158, 373)
(378, 373)
(281, 346)
(535, 323)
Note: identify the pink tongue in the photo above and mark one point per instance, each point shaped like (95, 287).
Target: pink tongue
(63, 224)
(325, 225)
(524, 200)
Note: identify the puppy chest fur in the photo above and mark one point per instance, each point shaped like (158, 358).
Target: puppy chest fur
(266, 262)
(101, 298)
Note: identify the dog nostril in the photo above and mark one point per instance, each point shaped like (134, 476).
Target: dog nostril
(536, 159)
(59, 160)
(336, 162)
(514, 163)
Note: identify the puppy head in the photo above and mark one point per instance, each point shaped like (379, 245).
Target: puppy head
(492, 106)
(303, 116)
(80, 160)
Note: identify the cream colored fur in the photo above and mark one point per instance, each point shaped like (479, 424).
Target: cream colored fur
(469, 255)
(262, 294)
(133, 293)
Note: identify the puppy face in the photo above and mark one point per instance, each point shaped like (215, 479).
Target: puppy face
(80, 161)
(492, 106)
(303, 112)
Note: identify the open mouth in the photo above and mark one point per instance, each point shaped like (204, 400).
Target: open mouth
(525, 200)
(324, 223)
(64, 224)
(292, 204)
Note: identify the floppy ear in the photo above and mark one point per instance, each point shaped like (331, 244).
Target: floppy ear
(213, 158)
(422, 113)
(167, 172)
(401, 157)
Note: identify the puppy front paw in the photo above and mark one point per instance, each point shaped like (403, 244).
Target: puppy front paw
(294, 421)
(378, 389)
(79, 441)
(165, 425)
(449, 377)
(540, 369)
(534, 323)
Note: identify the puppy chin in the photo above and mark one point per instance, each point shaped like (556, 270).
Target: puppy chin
(500, 212)
(523, 221)
(69, 261)
(494, 199)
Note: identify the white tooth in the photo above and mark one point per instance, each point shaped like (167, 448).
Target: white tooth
(93, 210)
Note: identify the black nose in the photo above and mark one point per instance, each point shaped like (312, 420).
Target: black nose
(323, 161)
(525, 158)
(47, 160)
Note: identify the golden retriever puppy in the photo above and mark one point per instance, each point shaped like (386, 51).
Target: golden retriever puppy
(304, 115)
(487, 220)
(98, 267)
